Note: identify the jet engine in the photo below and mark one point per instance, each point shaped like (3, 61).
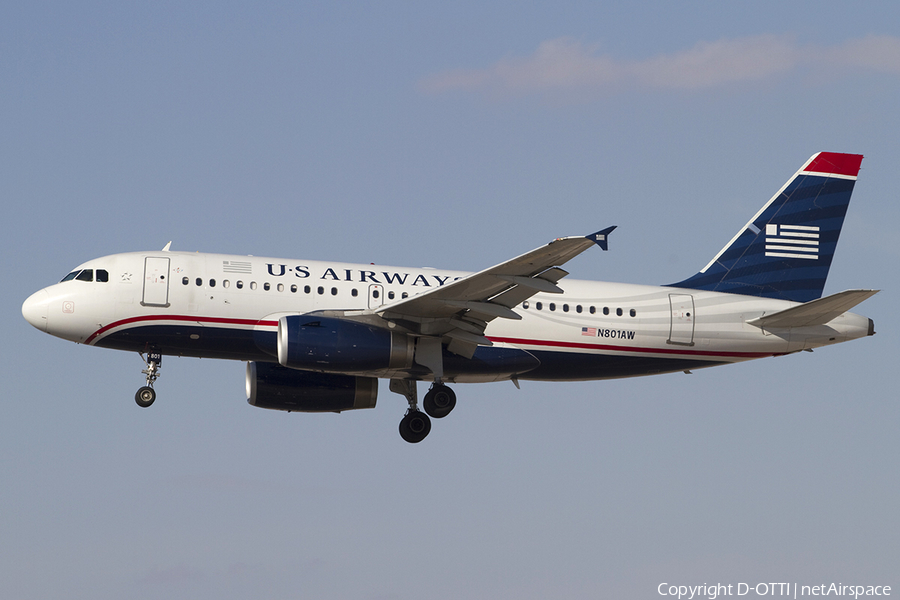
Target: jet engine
(339, 345)
(279, 388)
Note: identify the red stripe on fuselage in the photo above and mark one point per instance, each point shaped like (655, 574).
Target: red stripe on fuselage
(584, 346)
(184, 318)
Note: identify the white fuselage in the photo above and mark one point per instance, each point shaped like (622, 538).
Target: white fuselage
(221, 306)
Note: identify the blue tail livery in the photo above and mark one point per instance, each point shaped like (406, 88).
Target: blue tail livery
(784, 252)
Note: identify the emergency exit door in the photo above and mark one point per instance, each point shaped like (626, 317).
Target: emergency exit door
(156, 281)
(376, 295)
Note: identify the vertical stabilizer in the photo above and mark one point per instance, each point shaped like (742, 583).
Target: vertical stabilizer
(786, 249)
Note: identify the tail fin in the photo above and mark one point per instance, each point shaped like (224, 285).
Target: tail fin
(785, 250)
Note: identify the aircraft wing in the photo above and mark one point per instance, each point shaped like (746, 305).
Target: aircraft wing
(462, 309)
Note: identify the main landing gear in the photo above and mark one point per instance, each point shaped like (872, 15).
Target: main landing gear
(146, 394)
(438, 403)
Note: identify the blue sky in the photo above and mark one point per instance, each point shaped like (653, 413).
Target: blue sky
(450, 136)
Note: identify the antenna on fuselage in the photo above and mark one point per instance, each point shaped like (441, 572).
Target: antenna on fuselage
(166, 249)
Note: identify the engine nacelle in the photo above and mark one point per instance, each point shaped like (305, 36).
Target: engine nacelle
(273, 386)
(338, 345)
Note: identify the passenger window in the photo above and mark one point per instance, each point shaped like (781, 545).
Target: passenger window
(334, 291)
(404, 295)
(306, 289)
(618, 312)
(578, 309)
(226, 283)
(391, 295)
(633, 313)
(280, 287)
(239, 285)
(253, 285)
(565, 308)
(539, 305)
(320, 290)
(199, 282)
(593, 310)
(102, 275)
(294, 288)
(185, 280)
(552, 306)
(212, 283)
(354, 292)
(605, 310)
(266, 286)
(525, 305)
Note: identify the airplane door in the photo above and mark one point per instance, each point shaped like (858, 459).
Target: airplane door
(681, 330)
(376, 295)
(156, 281)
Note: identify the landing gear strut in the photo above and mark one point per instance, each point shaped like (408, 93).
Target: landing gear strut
(438, 403)
(146, 394)
(415, 425)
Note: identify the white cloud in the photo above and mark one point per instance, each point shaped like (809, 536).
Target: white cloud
(566, 65)
(879, 53)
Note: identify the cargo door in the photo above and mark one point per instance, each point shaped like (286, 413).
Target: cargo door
(681, 329)
(156, 281)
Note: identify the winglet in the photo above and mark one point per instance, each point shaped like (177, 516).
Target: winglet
(601, 238)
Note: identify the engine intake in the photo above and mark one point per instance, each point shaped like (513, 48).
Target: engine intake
(338, 345)
(276, 387)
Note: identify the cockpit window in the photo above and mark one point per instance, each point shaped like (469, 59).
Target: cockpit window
(87, 275)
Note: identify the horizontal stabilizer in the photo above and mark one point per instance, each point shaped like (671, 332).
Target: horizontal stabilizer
(815, 312)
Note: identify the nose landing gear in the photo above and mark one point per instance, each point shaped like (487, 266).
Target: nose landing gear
(146, 395)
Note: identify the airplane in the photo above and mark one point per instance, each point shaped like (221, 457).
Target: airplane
(317, 336)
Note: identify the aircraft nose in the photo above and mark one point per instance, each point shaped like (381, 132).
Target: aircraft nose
(34, 309)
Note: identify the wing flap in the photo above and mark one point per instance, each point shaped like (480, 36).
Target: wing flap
(520, 293)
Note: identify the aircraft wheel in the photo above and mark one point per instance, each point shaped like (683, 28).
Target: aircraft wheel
(415, 426)
(145, 396)
(439, 401)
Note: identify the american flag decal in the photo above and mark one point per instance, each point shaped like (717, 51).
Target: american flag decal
(591, 331)
(792, 241)
(237, 266)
